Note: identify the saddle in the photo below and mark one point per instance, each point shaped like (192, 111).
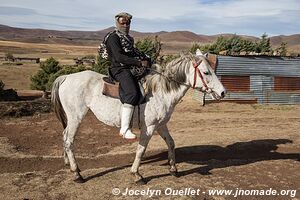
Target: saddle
(111, 89)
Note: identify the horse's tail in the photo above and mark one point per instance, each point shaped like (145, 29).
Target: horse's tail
(55, 100)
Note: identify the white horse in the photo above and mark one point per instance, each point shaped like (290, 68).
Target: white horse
(73, 95)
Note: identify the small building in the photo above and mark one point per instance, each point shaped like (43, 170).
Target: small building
(259, 79)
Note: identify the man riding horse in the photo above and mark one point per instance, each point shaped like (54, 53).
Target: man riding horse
(124, 60)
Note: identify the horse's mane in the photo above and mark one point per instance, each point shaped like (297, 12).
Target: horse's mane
(170, 77)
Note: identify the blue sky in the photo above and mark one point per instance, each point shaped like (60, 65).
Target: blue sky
(209, 17)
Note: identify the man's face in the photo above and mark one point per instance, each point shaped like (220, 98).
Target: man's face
(123, 21)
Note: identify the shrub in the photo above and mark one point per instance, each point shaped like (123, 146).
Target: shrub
(40, 80)
(204, 48)
(235, 45)
(150, 47)
(282, 50)
(101, 65)
(264, 46)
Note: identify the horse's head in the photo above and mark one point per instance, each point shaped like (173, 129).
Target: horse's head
(204, 79)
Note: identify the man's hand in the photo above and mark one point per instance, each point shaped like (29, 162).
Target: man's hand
(145, 63)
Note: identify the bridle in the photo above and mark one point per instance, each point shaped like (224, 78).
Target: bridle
(197, 71)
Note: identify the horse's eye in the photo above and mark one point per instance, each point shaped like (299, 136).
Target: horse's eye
(206, 73)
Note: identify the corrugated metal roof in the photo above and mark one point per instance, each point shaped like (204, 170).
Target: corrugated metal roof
(259, 79)
(257, 65)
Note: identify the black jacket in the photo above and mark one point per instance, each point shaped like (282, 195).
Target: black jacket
(117, 55)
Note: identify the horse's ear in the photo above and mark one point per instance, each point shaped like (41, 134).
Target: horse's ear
(199, 53)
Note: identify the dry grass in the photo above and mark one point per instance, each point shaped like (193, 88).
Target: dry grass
(18, 76)
(45, 49)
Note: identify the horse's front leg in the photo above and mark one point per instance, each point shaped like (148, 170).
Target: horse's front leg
(145, 137)
(164, 133)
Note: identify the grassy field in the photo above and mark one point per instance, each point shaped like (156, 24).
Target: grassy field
(18, 76)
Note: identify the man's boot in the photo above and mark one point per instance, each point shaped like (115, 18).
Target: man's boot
(125, 132)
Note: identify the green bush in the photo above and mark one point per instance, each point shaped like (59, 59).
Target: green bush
(282, 50)
(101, 65)
(151, 47)
(39, 81)
(235, 45)
(264, 46)
(204, 48)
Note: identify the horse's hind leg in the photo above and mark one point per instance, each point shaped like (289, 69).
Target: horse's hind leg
(164, 133)
(69, 135)
(66, 159)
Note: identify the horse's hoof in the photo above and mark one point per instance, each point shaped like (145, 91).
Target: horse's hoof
(79, 180)
(141, 182)
(174, 173)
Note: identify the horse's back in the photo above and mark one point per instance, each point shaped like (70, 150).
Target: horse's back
(83, 76)
(81, 83)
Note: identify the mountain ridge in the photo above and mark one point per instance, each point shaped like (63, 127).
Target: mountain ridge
(91, 38)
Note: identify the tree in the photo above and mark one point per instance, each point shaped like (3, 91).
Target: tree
(264, 46)
(196, 46)
(150, 47)
(222, 44)
(282, 50)
(248, 46)
(101, 65)
(40, 80)
(235, 45)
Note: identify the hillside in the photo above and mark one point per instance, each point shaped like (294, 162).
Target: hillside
(291, 40)
(175, 40)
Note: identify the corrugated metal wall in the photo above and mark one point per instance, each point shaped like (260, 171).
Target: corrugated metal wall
(259, 79)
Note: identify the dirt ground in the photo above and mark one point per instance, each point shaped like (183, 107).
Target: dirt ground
(219, 146)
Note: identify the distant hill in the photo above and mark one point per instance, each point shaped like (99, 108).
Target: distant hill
(290, 40)
(175, 40)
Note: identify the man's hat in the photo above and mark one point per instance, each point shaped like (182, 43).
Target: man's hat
(124, 14)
